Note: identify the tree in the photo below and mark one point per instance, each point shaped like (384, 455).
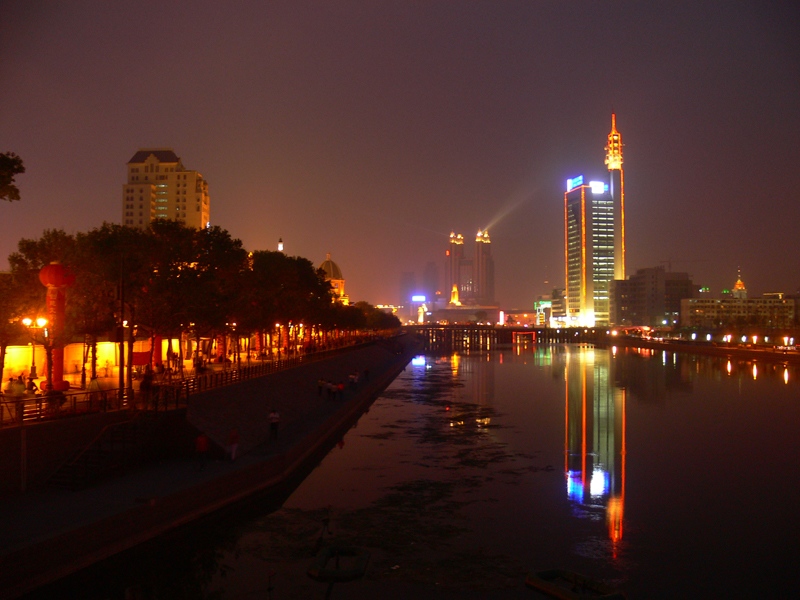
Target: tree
(98, 262)
(10, 165)
(14, 300)
(280, 289)
(376, 319)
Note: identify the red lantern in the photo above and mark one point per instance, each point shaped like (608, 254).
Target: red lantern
(56, 275)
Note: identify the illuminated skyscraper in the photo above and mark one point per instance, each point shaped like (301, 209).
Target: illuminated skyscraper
(617, 190)
(160, 187)
(484, 269)
(455, 266)
(594, 239)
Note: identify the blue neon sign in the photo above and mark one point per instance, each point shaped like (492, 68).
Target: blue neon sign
(574, 182)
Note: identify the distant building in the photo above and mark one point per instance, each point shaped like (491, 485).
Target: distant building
(735, 309)
(430, 281)
(739, 289)
(651, 297)
(408, 289)
(333, 274)
(558, 308)
(473, 279)
(160, 187)
(594, 239)
(458, 268)
(484, 270)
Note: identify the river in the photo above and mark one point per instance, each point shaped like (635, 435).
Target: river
(664, 475)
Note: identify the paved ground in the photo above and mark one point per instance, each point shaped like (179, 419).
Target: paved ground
(49, 533)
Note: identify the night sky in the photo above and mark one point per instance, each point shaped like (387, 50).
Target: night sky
(372, 129)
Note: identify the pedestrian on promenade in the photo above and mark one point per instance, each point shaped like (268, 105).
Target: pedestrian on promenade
(201, 446)
(233, 442)
(274, 422)
(321, 383)
(340, 389)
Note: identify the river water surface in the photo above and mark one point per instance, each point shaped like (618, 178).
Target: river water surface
(663, 475)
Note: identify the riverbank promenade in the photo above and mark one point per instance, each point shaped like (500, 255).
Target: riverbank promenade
(48, 533)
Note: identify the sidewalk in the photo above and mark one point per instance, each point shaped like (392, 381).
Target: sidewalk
(49, 534)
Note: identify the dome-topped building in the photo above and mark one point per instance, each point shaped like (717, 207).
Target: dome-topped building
(739, 289)
(334, 274)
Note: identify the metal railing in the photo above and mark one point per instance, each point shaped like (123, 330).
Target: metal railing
(165, 394)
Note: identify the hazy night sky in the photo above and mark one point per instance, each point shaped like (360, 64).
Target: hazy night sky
(371, 129)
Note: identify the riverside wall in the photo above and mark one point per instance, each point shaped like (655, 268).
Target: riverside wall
(95, 524)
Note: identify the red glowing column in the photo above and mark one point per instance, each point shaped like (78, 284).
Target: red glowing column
(56, 278)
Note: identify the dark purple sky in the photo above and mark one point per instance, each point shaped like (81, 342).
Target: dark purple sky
(371, 129)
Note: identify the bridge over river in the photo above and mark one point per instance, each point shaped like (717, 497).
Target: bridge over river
(488, 337)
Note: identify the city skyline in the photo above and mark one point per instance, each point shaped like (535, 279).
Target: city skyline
(373, 131)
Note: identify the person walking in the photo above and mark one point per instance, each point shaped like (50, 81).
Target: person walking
(233, 442)
(201, 447)
(274, 422)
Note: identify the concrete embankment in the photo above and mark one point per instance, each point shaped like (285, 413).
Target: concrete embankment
(49, 534)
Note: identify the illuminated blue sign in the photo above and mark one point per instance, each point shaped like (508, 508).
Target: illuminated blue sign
(418, 298)
(574, 182)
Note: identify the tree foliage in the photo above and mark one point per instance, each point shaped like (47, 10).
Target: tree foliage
(10, 166)
(170, 280)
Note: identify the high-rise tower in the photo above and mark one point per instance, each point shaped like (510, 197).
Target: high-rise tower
(455, 262)
(589, 251)
(617, 189)
(159, 187)
(594, 239)
(484, 269)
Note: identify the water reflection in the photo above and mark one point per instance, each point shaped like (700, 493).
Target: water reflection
(594, 440)
(473, 468)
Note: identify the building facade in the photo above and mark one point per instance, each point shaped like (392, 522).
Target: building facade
(651, 297)
(594, 239)
(715, 313)
(455, 264)
(333, 274)
(735, 309)
(484, 269)
(160, 187)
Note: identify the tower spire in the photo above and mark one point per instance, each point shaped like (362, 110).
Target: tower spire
(614, 147)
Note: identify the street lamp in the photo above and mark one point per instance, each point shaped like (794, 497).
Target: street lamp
(39, 323)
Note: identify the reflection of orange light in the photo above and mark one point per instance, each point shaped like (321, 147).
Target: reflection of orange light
(583, 428)
(728, 367)
(566, 420)
(622, 218)
(786, 375)
(614, 519)
(623, 465)
(583, 250)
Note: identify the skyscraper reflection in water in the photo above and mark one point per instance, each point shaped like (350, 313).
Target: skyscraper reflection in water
(594, 438)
